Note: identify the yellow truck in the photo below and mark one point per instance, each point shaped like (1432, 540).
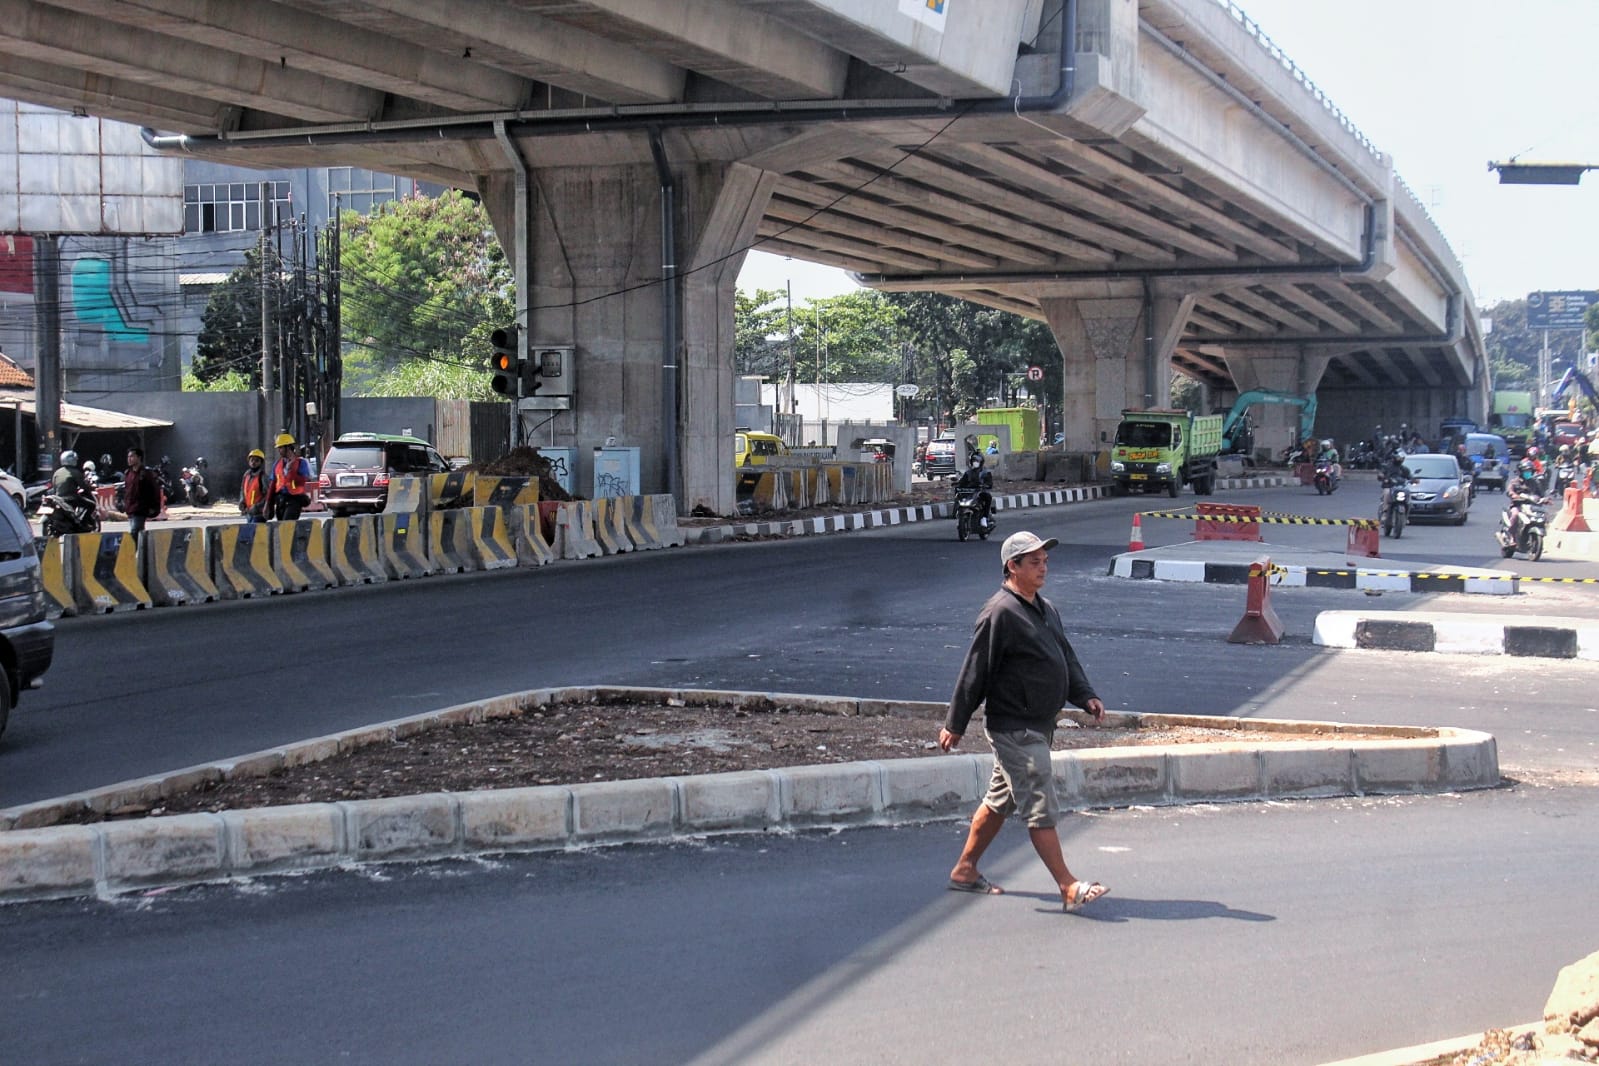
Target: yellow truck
(1165, 448)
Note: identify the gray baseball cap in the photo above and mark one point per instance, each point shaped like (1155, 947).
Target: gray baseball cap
(1022, 543)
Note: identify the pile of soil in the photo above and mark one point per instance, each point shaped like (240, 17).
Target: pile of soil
(525, 462)
(568, 744)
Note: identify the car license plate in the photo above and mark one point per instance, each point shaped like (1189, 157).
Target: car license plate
(1138, 477)
(351, 480)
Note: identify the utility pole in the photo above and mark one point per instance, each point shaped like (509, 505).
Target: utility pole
(264, 405)
(47, 357)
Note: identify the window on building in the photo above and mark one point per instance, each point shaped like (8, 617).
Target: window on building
(359, 190)
(229, 207)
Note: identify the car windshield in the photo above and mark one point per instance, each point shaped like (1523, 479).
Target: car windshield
(1479, 443)
(1433, 466)
(1144, 434)
(363, 456)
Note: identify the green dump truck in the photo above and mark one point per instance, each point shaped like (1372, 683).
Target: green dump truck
(1165, 449)
(1512, 417)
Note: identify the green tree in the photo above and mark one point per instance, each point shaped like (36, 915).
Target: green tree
(966, 356)
(229, 345)
(760, 332)
(422, 279)
(1513, 346)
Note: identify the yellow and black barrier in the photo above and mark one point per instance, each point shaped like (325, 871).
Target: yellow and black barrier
(403, 545)
(505, 491)
(407, 495)
(574, 530)
(610, 528)
(1266, 518)
(300, 555)
(527, 530)
(175, 564)
(451, 490)
(492, 538)
(450, 549)
(641, 529)
(1439, 576)
(353, 554)
(58, 599)
(241, 560)
(102, 570)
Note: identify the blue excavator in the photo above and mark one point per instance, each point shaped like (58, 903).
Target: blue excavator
(1238, 435)
(1573, 376)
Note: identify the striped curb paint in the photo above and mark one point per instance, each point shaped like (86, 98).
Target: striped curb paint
(1130, 565)
(40, 858)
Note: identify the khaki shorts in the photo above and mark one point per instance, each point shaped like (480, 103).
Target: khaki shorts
(1023, 780)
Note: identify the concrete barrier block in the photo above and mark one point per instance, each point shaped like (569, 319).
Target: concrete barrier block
(1114, 776)
(847, 792)
(401, 825)
(916, 787)
(153, 850)
(511, 818)
(1219, 771)
(629, 809)
(746, 800)
(1307, 770)
(59, 861)
(1471, 761)
(1405, 765)
(283, 838)
(310, 751)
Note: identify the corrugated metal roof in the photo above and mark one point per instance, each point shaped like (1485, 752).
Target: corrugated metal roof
(77, 416)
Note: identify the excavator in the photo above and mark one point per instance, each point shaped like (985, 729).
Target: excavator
(1573, 376)
(1238, 436)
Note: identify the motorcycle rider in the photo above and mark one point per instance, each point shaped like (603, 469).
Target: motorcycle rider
(1523, 488)
(1329, 455)
(253, 489)
(290, 489)
(976, 479)
(68, 483)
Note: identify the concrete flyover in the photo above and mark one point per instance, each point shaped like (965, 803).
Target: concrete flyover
(1154, 179)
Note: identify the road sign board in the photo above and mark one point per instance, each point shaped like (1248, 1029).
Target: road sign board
(1559, 310)
(907, 391)
(1035, 373)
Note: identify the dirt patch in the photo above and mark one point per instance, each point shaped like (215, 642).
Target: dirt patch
(565, 744)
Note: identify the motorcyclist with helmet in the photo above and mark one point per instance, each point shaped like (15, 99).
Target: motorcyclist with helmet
(1329, 455)
(1526, 487)
(977, 481)
(78, 496)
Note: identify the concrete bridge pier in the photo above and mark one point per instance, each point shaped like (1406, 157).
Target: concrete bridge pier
(595, 270)
(1293, 369)
(1117, 352)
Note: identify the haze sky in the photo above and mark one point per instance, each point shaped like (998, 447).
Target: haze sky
(1443, 86)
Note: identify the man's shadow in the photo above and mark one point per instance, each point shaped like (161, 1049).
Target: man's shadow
(1114, 908)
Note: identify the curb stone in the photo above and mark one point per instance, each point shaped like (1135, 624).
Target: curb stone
(1534, 637)
(40, 859)
(1352, 576)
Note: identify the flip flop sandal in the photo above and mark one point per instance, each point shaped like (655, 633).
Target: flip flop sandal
(1083, 892)
(981, 887)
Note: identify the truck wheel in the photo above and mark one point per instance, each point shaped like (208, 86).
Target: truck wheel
(1173, 487)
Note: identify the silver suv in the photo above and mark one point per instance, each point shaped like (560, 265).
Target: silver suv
(27, 640)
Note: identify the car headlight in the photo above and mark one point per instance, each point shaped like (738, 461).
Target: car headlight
(1451, 492)
(1162, 468)
(1117, 467)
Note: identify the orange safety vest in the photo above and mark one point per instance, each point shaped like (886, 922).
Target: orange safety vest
(251, 489)
(294, 484)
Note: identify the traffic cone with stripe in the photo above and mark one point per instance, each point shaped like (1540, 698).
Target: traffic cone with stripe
(1135, 542)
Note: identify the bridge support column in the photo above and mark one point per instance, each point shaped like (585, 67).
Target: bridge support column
(1295, 369)
(595, 284)
(1116, 356)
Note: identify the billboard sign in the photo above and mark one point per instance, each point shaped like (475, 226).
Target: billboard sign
(84, 176)
(1559, 310)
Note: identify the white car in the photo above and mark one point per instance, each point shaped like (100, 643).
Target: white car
(13, 488)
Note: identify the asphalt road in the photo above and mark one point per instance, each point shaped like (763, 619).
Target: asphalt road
(1258, 933)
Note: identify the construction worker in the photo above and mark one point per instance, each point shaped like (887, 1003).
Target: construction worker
(253, 488)
(290, 489)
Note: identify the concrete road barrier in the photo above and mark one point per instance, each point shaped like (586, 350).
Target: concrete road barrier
(300, 555)
(505, 491)
(574, 530)
(450, 548)
(451, 490)
(58, 599)
(403, 545)
(102, 572)
(527, 531)
(610, 527)
(492, 539)
(353, 552)
(175, 564)
(662, 511)
(407, 495)
(241, 560)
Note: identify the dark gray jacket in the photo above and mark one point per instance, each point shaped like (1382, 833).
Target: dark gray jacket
(1021, 664)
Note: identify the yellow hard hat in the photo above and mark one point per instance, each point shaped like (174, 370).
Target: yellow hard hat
(257, 453)
(285, 440)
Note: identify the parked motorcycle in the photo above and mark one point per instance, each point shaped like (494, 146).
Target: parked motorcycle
(62, 516)
(173, 490)
(194, 486)
(974, 504)
(1521, 527)
(1394, 511)
(1323, 480)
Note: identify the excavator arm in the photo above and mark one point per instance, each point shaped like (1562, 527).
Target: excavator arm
(1246, 400)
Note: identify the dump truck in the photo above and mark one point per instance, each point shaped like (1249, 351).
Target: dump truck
(1511, 417)
(1165, 448)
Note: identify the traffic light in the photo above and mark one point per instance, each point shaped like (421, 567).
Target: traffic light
(506, 362)
(532, 373)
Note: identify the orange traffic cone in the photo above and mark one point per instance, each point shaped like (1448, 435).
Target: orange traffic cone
(1135, 541)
